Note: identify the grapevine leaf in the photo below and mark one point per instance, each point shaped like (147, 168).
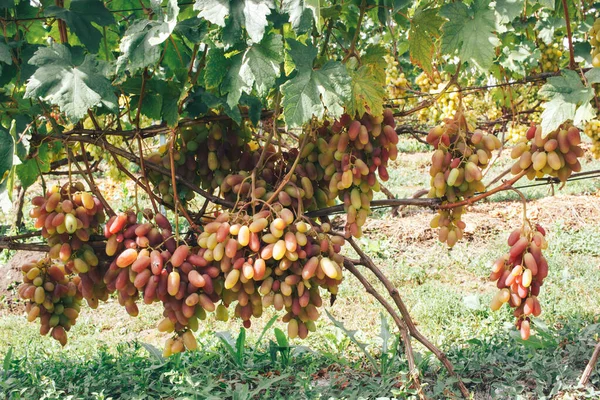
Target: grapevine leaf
(301, 10)
(367, 90)
(5, 55)
(584, 113)
(254, 107)
(79, 18)
(7, 149)
(251, 14)
(260, 65)
(192, 29)
(233, 83)
(257, 67)
(469, 32)
(7, 4)
(74, 88)
(507, 10)
(593, 76)
(424, 29)
(313, 92)
(367, 93)
(374, 59)
(213, 11)
(302, 55)
(518, 59)
(568, 99)
(216, 68)
(140, 45)
(547, 26)
(27, 173)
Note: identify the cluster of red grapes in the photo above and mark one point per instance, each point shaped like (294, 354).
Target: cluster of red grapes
(55, 285)
(555, 155)
(346, 157)
(52, 296)
(203, 154)
(68, 215)
(272, 259)
(520, 274)
(268, 259)
(456, 171)
(299, 193)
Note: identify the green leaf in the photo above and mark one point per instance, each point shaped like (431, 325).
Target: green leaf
(27, 172)
(568, 99)
(312, 93)
(352, 336)
(74, 88)
(140, 46)
(251, 14)
(469, 32)
(257, 67)
(384, 334)
(367, 93)
(193, 29)
(154, 352)
(216, 68)
(521, 58)
(299, 11)
(302, 55)
(547, 26)
(593, 76)
(507, 10)
(213, 11)
(79, 18)
(281, 338)
(5, 55)
(7, 150)
(424, 30)
(7, 360)
(7, 4)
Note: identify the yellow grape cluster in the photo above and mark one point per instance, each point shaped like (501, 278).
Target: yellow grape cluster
(456, 171)
(52, 296)
(594, 39)
(520, 273)
(551, 57)
(555, 155)
(516, 132)
(395, 81)
(592, 129)
(113, 172)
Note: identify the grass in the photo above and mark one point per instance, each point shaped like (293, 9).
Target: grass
(111, 355)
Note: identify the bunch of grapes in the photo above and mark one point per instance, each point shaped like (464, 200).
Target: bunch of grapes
(456, 171)
(395, 81)
(272, 259)
(594, 37)
(98, 153)
(520, 274)
(516, 132)
(299, 193)
(203, 154)
(551, 56)
(347, 156)
(592, 129)
(555, 155)
(67, 216)
(51, 291)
